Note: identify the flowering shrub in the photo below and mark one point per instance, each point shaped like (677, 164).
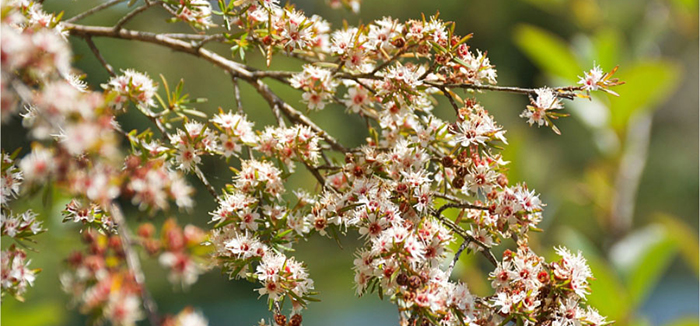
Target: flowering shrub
(393, 190)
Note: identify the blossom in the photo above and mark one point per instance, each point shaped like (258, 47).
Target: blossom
(195, 12)
(546, 101)
(573, 268)
(38, 165)
(134, 86)
(595, 79)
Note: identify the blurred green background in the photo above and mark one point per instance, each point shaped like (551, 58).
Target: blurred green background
(621, 183)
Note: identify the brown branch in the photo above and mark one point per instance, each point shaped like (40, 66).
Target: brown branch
(235, 69)
(239, 108)
(457, 255)
(118, 26)
(206, 183)
(294, 115)
(99, 56)
(447, 94)
(563, 92)
(460, 205)
(132, 261)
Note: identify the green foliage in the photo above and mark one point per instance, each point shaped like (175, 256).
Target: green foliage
(648, 84)
(548, 51)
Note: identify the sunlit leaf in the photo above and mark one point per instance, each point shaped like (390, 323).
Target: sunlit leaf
(642, 257)
(647, 85)
(549, 52)
(686, 237)
(608, 46)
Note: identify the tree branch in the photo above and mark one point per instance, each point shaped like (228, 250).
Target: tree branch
(99, 56)
(134, 264)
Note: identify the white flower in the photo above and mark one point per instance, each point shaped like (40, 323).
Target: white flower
(591, 79)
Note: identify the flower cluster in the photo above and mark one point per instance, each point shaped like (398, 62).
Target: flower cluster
(15, 277)
(197, 13)
(236, 131)
(101, 283)
(318, 86)
(151, 183)
(530, 290)
(88, 214)
(541, 109)
(177, 250)
(132, 86)
(297, 142)
(20, 226)
(11, 181)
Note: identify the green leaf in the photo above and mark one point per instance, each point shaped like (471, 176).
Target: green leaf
(549, 52)
(685, 236)
(642, 257)
(647, 85)
(608, 45)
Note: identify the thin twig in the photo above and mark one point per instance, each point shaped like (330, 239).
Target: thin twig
(134, 264)
(99, 56)
(118, 26)
(456, 258)
(486, 250)
(447, 94)
(204, 180)
(397, 55)
(460, 205)
(239, 108)
(563, 92)
(92, 11)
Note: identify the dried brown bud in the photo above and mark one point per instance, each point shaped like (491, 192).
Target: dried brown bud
(280, 319)
(462, 171)
(447, 161)
(414, 282)
(267, 40)
(399, 42)
(463, 156)
(458, 183)
(296, 320)
(424, 49)
(409, 296)
(349, 158)
(402, 279)
(357, 171)
(502, 180)
(442, 58)
(507, 254)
